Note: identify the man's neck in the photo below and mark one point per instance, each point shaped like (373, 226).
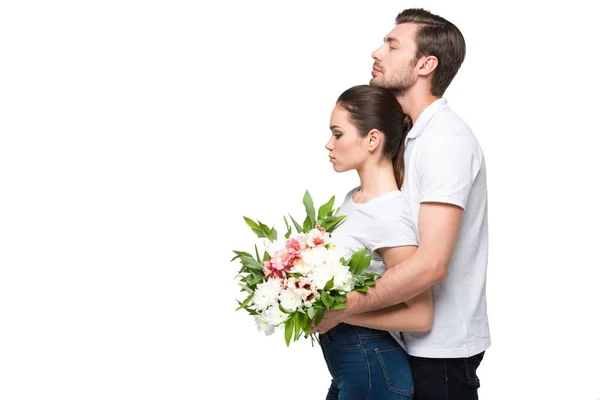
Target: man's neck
(414, 102)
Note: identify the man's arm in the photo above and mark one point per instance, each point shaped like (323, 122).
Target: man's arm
(415, 315)
(439, 226)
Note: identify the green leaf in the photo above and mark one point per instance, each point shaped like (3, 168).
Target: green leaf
(289, 330)
(296, 224)
(361, 289)
(246, 302)
(319, 316)
(256, 228)
(245, 288)
(252, 264)
(307, 325)
(359, 262)
(370, 283)
(256, 281)
(340, 298)
(339, 306)
(257, 255)
(298, 324)
(265, 228)
(308, 225)
(241, 254)
(311, 313)
(266, 256)
(330, 223)
(364, 264)
(327, 300)
(310, 207)
(326, 208)
(272, 236)
(288, 227)
(257, 274)
(328, 285)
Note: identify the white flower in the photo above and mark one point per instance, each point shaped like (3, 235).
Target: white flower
(333, 268)
(263, 325)
(266, 294)
(316, 237)
(304, 288)
(342, 278)
(273, 247)
(275, 316)
(321, 275)
(289, 299)
(315, 256)
(302, 267)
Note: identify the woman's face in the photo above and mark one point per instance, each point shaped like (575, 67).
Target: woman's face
(347, 150)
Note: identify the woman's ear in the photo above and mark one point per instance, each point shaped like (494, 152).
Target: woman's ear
(374, 139)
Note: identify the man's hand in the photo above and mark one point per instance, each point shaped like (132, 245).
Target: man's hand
(330, 319)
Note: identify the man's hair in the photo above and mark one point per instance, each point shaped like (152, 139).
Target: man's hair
(437, 37)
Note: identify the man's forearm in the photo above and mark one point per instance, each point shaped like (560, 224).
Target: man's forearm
(398, 284)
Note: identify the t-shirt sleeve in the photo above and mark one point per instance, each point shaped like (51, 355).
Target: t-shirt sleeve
(447, 167)
(396, 228)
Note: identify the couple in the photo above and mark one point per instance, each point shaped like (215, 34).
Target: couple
(421, 210)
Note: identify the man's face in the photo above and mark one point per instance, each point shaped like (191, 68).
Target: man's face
(395, 62)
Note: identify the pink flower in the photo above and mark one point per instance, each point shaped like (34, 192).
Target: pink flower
(270, 270)
(266, 268)
(295, 245)
(281, 262)
(316, 237)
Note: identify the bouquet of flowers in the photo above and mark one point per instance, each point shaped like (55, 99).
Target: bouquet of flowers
(299, 277)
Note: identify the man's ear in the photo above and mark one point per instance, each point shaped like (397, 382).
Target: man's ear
(427, 65)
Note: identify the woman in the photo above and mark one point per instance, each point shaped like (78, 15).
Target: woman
(366, 361)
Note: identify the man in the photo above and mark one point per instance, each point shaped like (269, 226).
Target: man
(446, 185)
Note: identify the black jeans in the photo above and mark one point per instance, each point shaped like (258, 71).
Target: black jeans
(446, 378)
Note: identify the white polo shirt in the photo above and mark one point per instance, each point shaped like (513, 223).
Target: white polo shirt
(444, 163)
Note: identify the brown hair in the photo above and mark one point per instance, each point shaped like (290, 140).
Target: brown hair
(437, 37)
(372, 107)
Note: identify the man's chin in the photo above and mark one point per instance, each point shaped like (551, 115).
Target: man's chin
(375, 81)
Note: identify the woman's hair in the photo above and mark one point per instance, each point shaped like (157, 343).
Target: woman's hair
(372, 107)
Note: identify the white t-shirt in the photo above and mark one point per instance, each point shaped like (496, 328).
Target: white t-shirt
(444, 163)
(384, 221)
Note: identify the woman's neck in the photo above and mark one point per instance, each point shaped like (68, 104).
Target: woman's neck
(375, 179)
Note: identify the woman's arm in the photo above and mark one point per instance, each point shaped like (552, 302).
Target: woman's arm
(415, 315)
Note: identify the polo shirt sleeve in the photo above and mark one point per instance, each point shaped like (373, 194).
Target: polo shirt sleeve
(447, 167)
(395, 228)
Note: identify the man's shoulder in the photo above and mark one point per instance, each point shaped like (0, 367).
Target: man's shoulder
(446, 120)
(447, 127)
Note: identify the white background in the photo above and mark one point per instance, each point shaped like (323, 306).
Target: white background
(135, 136)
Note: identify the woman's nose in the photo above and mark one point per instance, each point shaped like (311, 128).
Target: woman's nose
(329, 145)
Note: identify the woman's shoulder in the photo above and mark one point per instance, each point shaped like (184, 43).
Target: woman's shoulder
(351, 193)
(395, 203)
(386, 208)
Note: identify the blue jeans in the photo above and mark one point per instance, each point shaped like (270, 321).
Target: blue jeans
(365, 364)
